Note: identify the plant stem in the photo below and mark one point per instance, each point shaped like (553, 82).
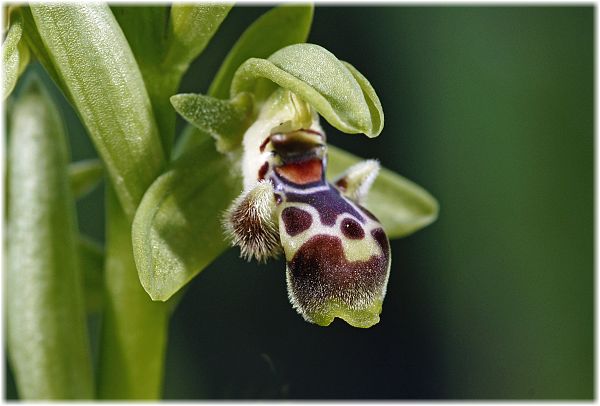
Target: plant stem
(134, 327)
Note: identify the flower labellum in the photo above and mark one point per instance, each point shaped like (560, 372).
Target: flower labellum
(337, 253)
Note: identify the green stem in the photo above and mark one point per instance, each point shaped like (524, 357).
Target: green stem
(134, 327)
(161, 85)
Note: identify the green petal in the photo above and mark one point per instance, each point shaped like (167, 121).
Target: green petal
(102, 79)
(224, 120)
(84, 176)
(177, 229)
(402, 206)
(279, 27)
(317, 76)
(47, 335)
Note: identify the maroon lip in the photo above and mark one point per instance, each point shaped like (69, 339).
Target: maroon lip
(320, 272)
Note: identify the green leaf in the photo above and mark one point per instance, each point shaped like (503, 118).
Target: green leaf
(24, 56)
(47, 336)
(279, 27)
(316, 75)
(134, 328)
(91, 259)
(164, 44)
(224, 120)
(84, 176)
(101, 77)
(145, 30)
(15, 55)
(38, 49)
(177, 228)
(191, 28)
(402, 206)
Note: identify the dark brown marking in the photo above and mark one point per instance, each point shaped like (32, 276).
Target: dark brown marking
(297, 146)
(295, 220)
(264, 144)
(321, 273)
(294, 147)
(383, 241)
(278, 198)
(263, 171)
(352, 229)
(302, 173)
(342, 184)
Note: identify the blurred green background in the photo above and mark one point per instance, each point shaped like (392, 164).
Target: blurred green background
(491, 110)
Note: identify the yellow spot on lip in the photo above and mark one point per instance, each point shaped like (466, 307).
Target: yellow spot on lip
(354, 250)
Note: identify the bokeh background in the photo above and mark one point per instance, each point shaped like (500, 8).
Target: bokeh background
(491, 110)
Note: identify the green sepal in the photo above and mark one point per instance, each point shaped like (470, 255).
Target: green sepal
(277, 28)
(401, 206)
(375, 108)
(84, 176)
(177, 229)
(46, 329)
(224, 120)
(317, 76)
